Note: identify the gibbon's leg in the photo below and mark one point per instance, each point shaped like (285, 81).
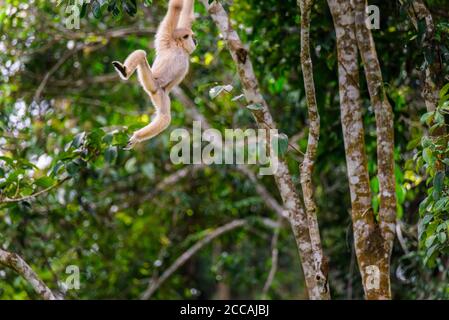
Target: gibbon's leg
(146, 79)
(160, 122)
(137, 60)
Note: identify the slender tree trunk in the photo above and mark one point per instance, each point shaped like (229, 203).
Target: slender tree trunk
(372, 259)
(312, 146)
(290, 198)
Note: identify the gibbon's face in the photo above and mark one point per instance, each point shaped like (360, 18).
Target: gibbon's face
(186, 39)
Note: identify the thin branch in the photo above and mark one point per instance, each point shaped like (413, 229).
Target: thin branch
(401, 239)
(64, 58)
(274, 263)
(34, 195)
(308, 164)
(269, 200)
(15, 262)
(154, 285)
(193, 112)
(173, 179)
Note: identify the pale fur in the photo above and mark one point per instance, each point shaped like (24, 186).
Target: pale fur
(174, 43)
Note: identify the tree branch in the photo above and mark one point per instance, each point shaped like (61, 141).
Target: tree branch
(308, 163)
(15, 262)
(34, 195)
(154, 285)
(274, 263)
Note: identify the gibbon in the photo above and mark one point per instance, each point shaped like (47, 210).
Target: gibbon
(174, 43)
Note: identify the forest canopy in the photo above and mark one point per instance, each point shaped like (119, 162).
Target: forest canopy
(362, 190)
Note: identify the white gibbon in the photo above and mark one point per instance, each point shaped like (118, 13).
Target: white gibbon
(174, 43)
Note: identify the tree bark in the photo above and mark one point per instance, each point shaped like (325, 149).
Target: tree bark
(290, 198)
(312, 146)
(384, 126)
(15, 262)
(372, 259)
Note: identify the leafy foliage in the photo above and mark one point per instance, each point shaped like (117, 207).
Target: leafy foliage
(434, 157)
(111, 219)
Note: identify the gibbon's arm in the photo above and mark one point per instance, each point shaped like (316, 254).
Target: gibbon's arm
(187, 15)
(164, 35)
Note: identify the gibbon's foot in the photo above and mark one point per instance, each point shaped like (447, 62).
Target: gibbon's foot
(131, 143)
(121, 69)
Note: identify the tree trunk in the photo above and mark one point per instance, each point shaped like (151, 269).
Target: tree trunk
(312, 146)
(373, 260)
(384, 127)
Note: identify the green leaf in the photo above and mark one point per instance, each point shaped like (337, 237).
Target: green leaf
(439, 118)
(110, 154)
(430, 240)
(444, 90)
(72, 168)
(120, 139)
(428, 156)
(217, 90)
(96, 9)
(130, 7)
(108, 138)
(95, 136)
(149, 170)
(83, 10)
(9, 161)
(442, 237)
(440, 204)
(55, 170)
(427, 117)
(78, 140)
(412, 144)
(429, 260)
(438, 184)
(45, 182)
(427, 219)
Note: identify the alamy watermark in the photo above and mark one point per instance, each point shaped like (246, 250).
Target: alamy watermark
(72, 14)
(372, 281)
(72, 282)
(372, 18)
(238, 146)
